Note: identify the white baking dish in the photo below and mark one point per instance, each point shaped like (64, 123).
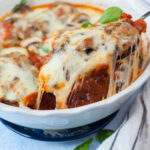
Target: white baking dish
(70, 118)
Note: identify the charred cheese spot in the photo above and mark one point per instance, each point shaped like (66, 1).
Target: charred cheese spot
(64, 10)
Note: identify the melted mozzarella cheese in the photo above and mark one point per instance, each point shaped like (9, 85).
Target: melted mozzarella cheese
(77, 52)
(42, 22)
(75, 62)
(18, 77)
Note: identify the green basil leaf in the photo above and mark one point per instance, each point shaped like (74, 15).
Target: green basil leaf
(44, 49)
(104, 134)
(24, 2)
(18, 6)
(86, 23)
(85, 145)
(111, 14)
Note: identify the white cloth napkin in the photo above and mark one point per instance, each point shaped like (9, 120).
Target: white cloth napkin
(134, 132)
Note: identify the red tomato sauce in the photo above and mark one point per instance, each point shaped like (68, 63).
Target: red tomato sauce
(48, 101)
(39, 61)
(5, 30)
(139, 24)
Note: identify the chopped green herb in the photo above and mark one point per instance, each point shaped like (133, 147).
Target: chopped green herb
(86, 23)
(111, 14)
(44, 49)
(85, 145)
(18, 6)
(24, 2)
(104, 134)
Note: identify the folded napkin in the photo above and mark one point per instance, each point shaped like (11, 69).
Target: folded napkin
(134, 132)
